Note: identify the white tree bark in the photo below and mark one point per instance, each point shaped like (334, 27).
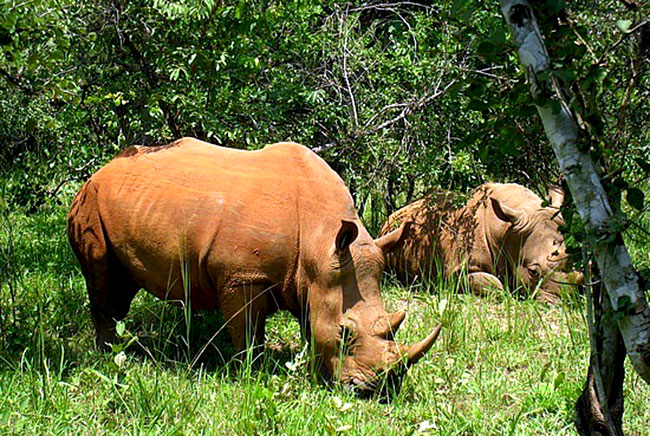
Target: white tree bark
(619, 276)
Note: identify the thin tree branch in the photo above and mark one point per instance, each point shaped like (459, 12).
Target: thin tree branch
(345, 73)
(412, 107)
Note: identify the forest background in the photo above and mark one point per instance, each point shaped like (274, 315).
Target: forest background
(398, 97)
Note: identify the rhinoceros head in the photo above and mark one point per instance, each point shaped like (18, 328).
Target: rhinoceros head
(536, 247)
(350, 327)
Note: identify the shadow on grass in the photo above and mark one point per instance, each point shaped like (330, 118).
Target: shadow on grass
(45, 321)
(58, 335)
(156, 331)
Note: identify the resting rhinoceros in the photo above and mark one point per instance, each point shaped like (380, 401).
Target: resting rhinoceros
(502, 233)
(249, 233)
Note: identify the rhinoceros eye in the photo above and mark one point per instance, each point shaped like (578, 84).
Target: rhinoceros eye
(533, 270)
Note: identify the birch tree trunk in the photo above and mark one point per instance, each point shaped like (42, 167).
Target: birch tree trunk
(621, 280)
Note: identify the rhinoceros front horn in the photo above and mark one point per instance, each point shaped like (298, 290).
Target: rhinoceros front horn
(416, 351)
(579, 278)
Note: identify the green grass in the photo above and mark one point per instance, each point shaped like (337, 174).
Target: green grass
(502, 366)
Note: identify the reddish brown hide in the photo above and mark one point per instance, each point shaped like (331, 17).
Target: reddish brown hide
(502, 233)
(247, 232)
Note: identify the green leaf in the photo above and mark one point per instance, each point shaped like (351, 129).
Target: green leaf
(555, 5)
(477, 105)
(483, 154)
(486, 49)
(644, 164)
(564, 75)
(624, 25)
(635, 198)
(5, 37)
(475, 90)
(620, 183)
(600, 74)
(119, 328)
(239, 11)
(30, 126)
(623, 304)
(555, 105)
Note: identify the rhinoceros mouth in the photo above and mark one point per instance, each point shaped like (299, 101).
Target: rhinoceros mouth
(384, 384)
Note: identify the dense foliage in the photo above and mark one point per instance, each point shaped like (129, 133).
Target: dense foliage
(398, 97)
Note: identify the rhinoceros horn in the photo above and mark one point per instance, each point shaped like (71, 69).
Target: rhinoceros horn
(415, 351)
(575, 278)
(389, 324)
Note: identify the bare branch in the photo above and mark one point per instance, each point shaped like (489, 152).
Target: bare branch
(412, 107)
(345, 72)
(389, 6)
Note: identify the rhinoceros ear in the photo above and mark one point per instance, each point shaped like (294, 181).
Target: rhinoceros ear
(347, 234)
(505, 213)
(394, 238)
(555, 196)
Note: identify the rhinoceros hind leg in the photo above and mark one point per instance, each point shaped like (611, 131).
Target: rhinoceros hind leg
(109, 303)
(110, 287)
(481, 282)
(110, 291)
(244, 309)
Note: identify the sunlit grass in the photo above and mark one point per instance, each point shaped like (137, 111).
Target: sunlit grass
(503, 365)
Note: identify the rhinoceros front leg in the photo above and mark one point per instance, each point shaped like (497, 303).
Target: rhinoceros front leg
(244, 309)
(480, 282)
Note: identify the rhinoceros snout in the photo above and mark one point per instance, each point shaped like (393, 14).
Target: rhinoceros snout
(382, 386)
(360, 388)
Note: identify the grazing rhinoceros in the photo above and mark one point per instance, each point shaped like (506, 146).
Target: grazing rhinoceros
(249, 233)
(502, 233)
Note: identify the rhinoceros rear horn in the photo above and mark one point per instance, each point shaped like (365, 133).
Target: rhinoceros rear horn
(388, 325)
(416, 351)
(555, 196)
(394, 238)
(573, 278)
(579, 278)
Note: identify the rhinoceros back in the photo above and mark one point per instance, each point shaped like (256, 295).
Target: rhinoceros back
(449, 234)
(196, 213)
(418, 255)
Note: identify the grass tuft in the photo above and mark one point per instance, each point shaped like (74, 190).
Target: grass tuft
(503, 365)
